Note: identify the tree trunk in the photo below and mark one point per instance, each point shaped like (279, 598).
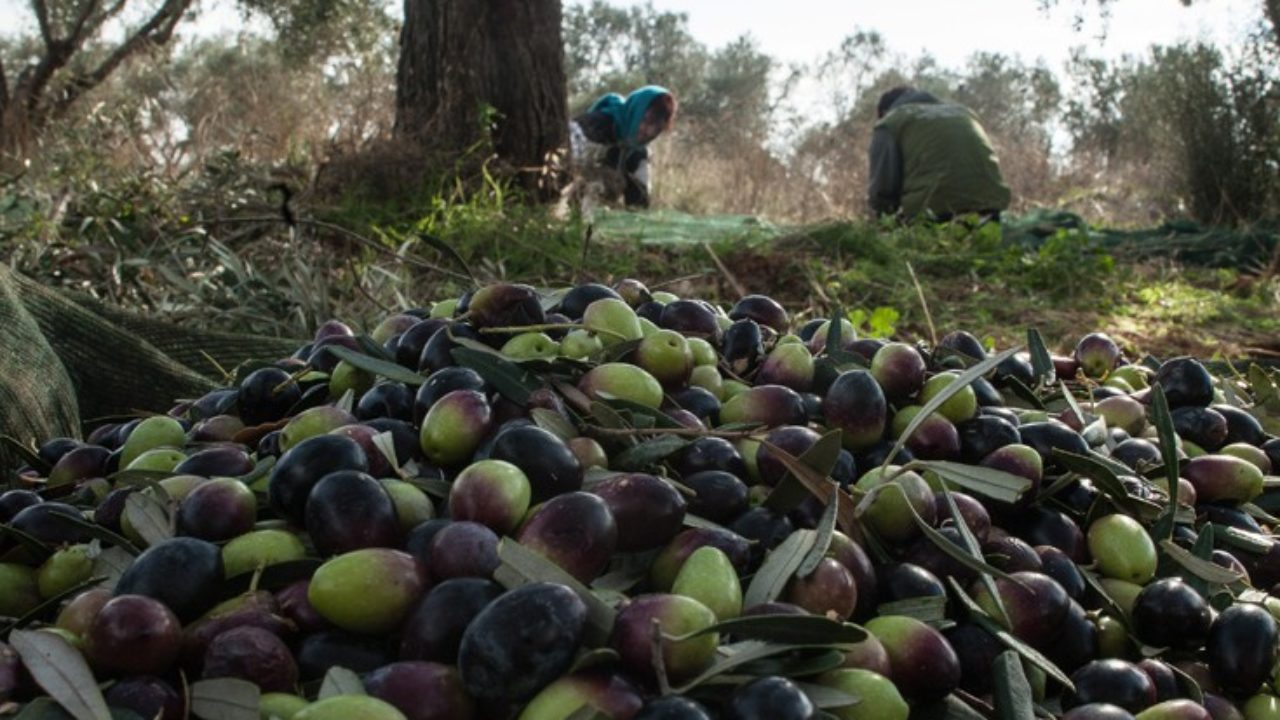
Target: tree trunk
(467, 66)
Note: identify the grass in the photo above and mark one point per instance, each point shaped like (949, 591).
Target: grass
(220, 258)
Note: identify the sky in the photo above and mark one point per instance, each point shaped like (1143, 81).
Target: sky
(952, 30)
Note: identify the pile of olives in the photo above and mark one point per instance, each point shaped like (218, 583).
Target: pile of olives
(607, 502)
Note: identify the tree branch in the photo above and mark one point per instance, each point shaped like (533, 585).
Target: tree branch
(155, 32)
(42, 18)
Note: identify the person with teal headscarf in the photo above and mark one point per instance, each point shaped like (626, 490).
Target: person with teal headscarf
(609, 142)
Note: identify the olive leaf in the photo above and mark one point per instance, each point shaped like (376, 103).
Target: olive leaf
(340, 681)
(827, 697)
(1041, 362)
(28, 454)
(826, 528)
(508, 378)
(1206, 570)
(522, 566)
(1029, 653)
(1106, 480)
(149, 517)
(988, 482)
(110, 564)
(1012, 692)
(60, 670)
(553, 422)
(791, 490)
(96, 531)
(780, 564)
(931, 609)
(649, 452)
(960, 382)
(376, 366)
(787, 629)
(225, 699)
(37, 548)
(50, 603)
(1168, 452)
(817, 484)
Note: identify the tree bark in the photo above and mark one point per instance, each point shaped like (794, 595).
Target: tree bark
(471, 67)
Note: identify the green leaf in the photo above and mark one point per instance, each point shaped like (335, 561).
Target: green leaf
(826, 528)
(49, 604)
(738, 654)
(1108, 603)
(1012, 692)
(1041, 362)
(340, 681)
(448, 251)
(817, 483)
(961, 381)
(225, 699)
(94, 530)
(642, 457)
(1188, 684)
(608, 417)
(373, 349)
(779, 565)
(988, 482)
(1029, 653)
(821, 457)
(1024, 393)
(1242, 539)
(110, 564)
(149, 517)
(787, 629)
(975, 551)
(835, 327)
(522, 566)
(382, 368)
(37, 548)
(1206, 570)
(660, 419)
(509, 379)
(1107, 481)
(553, 422)
(930, 609)
(1168, 450)
(61, 671)
(1203, 548)
(28, 454)
(826, 698)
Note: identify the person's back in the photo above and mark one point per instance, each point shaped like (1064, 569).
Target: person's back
(930, 157)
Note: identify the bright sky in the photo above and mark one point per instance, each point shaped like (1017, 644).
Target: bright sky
(952, 30)
(802, 30)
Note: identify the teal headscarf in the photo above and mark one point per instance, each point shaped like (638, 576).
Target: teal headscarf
(628, 113)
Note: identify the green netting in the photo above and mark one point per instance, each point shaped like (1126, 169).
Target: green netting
(676, 228)
(1180, 240)
(65, 358)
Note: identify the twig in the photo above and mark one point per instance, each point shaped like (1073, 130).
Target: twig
(674, 281)
(737, 286)
(933, 333)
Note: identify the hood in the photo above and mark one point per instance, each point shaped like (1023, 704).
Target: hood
(627, 113)
(914, 97)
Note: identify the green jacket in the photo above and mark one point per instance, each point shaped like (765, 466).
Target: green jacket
(932, 156)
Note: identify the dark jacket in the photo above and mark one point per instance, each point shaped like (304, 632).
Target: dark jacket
(933, 157)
